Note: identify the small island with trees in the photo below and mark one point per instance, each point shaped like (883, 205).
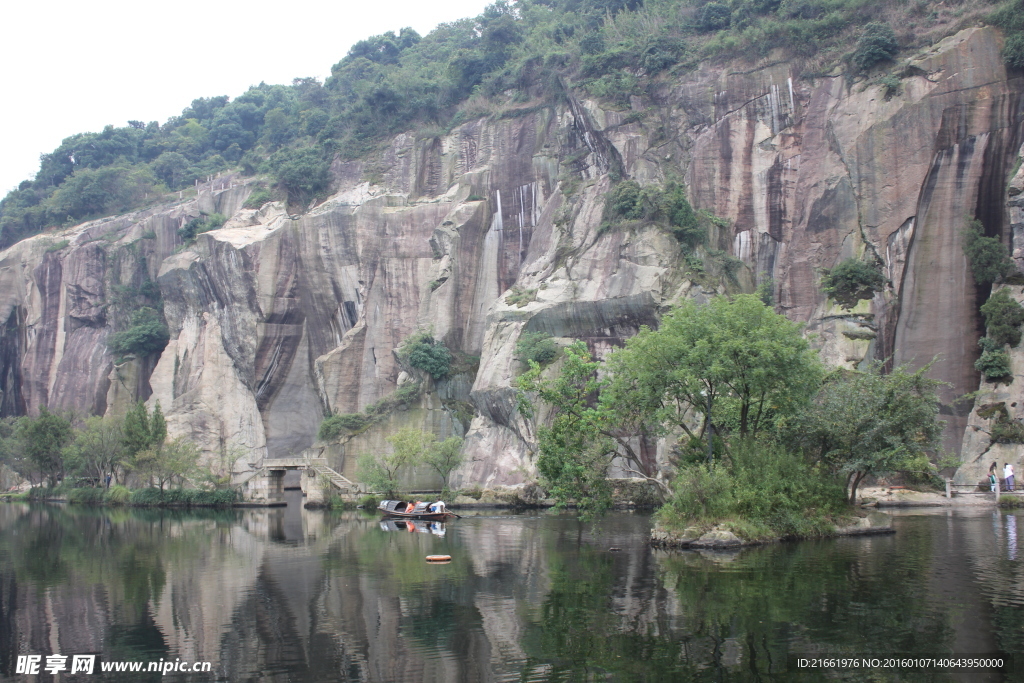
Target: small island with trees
(768, 444)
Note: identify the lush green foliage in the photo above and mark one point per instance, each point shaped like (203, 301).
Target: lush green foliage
(988, 258)
(380, 471)
(1005, 430)
(183, 497)
(851, 281)
(994, 362)
(1013, 51)
(865, 423)
(578, 448)
(98, 448)
(42, 440)
(204, 223)
(734, 361)
(1003, 318)
(258, 198)
(85, 454)
(877, 43)
(763, 491)
(667, 206)
(402, 397)
(302, 173)
(424, 352)
(444, 457)
(521, 297)
(335, 425)
(393, 82)
(118, 495)
(1010, 17)
(165, 463)
(147, 335)
(536, 347)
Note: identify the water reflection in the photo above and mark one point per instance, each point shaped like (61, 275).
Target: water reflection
(288, 594)
(413, 526)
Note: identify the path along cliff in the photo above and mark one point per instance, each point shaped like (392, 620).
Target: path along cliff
(494, 229)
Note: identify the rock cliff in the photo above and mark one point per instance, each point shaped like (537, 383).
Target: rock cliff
(495, 229)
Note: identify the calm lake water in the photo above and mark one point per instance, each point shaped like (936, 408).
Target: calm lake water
(294, 595)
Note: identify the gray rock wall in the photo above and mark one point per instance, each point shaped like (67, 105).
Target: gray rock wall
(277, 320)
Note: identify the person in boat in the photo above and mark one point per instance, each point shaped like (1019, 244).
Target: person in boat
(437, 507)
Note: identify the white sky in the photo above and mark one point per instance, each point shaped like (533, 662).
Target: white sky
(75, 66)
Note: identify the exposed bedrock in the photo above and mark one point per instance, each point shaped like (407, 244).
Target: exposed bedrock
(495, 229)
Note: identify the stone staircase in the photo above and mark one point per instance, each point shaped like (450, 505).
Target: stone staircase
(319, 465)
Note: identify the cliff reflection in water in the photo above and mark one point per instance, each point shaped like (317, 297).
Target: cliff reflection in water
(288, 594)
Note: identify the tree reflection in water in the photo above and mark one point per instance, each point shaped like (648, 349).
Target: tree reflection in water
(525, 598)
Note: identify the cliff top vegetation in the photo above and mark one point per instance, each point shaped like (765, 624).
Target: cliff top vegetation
(512, 57)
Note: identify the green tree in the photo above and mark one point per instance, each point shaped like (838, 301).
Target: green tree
(142, 432)
(178, 460)
(1003, 318)
(714, 16)
(537, 347)
(98, 448)
(851, 281)
(147, 335)
(380, 471)
(43, 440)
(735, 362)
(424, 352)
(1013, 50)
(877, 43)
(157, 427)
(444, 457)
(863, 423)
(303, 173)
(578, 448)
(988, 258)
(994, 362)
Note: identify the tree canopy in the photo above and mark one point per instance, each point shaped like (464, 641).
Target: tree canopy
(863, 423)
(735, 363)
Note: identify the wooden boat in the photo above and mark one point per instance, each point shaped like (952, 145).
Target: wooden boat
(404, 510)
(413, 525)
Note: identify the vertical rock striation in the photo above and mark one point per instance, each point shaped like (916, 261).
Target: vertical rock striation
(496, 228)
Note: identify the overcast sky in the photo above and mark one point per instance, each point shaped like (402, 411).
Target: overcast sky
(70, 67)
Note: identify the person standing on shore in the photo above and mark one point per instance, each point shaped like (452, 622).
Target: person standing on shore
(1008, 475)
(992, 476)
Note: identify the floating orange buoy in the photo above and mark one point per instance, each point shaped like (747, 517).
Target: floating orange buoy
(439, 558)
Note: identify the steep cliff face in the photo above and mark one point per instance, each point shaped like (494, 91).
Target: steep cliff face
(277, 319)
(993, 431)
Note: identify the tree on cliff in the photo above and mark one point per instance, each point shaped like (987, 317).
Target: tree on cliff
(851, 281)
(877, 43)
(988, 258)
(863, 423)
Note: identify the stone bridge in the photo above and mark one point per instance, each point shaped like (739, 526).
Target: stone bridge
(265, 483)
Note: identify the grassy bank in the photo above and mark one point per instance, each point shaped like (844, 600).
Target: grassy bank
(758, 492)
(120, 495)
(335, 502)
